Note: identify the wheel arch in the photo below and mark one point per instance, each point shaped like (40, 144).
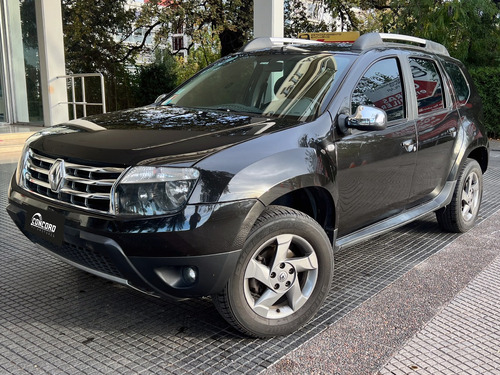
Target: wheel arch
(480, 154)
(478, 151)
(313, 201)
(300, 178)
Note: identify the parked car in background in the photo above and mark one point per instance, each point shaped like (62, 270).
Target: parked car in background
(241, 183)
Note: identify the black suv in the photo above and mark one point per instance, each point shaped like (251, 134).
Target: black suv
(242, 182)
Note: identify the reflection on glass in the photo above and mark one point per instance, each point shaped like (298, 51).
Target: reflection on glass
(31, 59)
(381, 87)
(272, 84)
(427, 85)
(302, 87)
(459, 82)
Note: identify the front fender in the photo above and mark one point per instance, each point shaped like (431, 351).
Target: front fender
(278, 174)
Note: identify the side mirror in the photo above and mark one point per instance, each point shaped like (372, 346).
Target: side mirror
(366, 118)
(160, 98)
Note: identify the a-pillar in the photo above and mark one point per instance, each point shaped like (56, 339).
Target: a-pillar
(52, 62)
(268, 18)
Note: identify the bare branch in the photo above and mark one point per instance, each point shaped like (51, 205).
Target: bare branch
(141, 45)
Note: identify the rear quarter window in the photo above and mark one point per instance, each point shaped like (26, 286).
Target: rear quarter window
(458, 80)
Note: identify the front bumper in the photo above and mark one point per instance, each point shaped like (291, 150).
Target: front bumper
(148, 254)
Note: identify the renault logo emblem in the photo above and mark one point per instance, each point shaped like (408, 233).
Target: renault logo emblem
(57, 173)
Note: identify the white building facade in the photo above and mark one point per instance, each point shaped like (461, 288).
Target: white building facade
(31, 60)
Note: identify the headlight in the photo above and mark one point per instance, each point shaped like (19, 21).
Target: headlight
(154, 190)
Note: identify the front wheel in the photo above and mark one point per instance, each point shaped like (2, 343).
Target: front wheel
(461, 214)
(282, 277)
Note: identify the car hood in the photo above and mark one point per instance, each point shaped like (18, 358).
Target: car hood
(152, 135)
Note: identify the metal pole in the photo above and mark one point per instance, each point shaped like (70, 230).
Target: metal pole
(84, 100)
(73, 96)
(102, 94)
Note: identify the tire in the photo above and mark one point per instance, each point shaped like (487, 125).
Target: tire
(461, 214)
(282, 277)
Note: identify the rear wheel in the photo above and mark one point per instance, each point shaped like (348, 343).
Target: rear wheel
(461, 214)
(282, 277)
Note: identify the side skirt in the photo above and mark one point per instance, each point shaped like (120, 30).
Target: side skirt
(405, 217)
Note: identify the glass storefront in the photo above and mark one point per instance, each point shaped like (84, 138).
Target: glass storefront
(3, 115)
(31, 59)
(2, 98)
(20, 89)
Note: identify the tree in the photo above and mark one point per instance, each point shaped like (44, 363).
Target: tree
(297, 21)
(92, 44)
(91, 29)
(206, 51)
(96, 31)
(230, 20)
(157, 78)
(469, 29)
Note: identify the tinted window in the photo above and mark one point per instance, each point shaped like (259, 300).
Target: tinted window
(427, 85)
(458, 80)
(381, 87)
(268, 84)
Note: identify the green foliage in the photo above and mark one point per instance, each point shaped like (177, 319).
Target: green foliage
(28, 23)
(230, 20)
(487, 80)
(207, 52)
(155, 79)
(344, 10)
(90, 28)
(469, 29)
(168, 71)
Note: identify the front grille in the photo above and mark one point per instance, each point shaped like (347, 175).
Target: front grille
(84, 186)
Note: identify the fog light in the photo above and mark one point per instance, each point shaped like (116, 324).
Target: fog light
(189, 275)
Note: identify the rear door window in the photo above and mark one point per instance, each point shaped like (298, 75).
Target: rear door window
(428, 86)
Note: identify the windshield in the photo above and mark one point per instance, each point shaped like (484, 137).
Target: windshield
(273, 84)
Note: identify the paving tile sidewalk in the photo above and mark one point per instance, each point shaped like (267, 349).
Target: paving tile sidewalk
(463, 338)
(365, 341)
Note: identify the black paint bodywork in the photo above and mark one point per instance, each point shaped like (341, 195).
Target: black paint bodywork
(355, 185)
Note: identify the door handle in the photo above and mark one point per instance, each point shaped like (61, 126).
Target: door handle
(410, 145)
(452, 132)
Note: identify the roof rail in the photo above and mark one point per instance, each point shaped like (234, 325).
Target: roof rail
(372, 40)
(268, 42)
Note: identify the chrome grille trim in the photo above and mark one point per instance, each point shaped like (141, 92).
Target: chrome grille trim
(85, 186)
(85, 195)
(90, 182)
(39, 182)
(35, 168)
